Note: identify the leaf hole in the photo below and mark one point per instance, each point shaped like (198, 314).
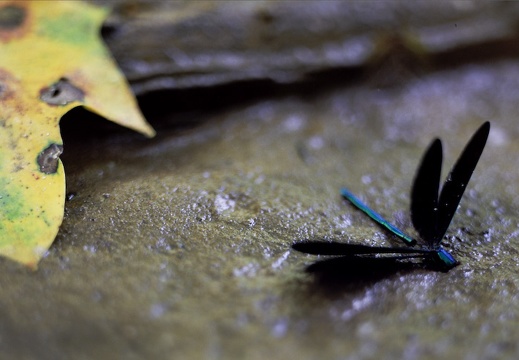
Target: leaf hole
(48, 159)
(61, 93)
(55, 92)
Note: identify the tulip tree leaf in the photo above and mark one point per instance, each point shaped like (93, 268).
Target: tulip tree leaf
(52, 59)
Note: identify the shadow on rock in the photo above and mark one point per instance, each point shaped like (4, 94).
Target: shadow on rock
(353, 273)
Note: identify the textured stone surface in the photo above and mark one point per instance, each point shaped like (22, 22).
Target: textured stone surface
(180, 245)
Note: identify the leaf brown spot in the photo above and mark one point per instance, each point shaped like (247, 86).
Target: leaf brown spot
(48, 158)
(12, 17)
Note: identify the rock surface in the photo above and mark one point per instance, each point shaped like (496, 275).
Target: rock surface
(179, 246)
(185, 44)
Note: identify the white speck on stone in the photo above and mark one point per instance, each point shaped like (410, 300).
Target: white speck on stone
(157, 310)
(316, 142)
(222, 203)
(293, 123)
(280, 260)
(280, 328)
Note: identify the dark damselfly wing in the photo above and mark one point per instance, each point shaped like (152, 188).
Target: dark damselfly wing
(424, 194)
(457, 180)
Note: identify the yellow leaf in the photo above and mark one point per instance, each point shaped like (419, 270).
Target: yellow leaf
(51, 60)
